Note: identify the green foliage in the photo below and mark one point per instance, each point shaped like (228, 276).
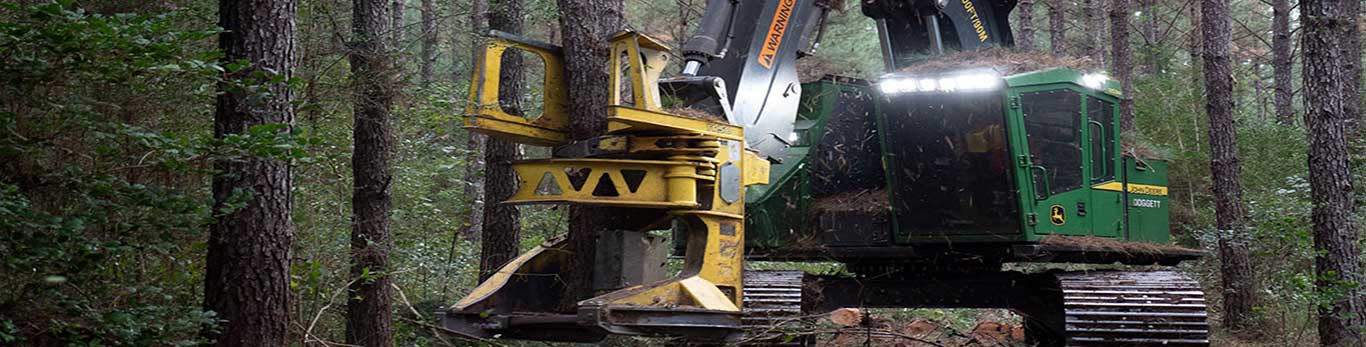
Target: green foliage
(105, 147)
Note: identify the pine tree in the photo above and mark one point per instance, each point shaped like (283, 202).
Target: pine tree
(1122, 64)
(396, 31)
(1025, 40)
(1326, 89)
(1150, 36)
(1093, 43)
(429, 37)
(368, 314)
(585, 27)
(474, 145)
(1057, 27)
(1351, 57)
(246, 281)
(1282, 61)
(501, 236)
(1234, 258)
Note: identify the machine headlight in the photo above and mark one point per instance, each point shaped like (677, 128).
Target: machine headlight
(1094, 80)
(962, 82)
(891, 86)
(926, 85)
(980, 81)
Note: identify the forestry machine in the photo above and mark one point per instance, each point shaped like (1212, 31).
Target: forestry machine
(922, 184)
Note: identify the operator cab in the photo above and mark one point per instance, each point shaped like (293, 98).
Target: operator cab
(978, 156)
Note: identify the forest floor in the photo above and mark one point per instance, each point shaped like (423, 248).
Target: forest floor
(921, 328)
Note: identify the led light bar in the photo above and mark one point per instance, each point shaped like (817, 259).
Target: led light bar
(963, 82)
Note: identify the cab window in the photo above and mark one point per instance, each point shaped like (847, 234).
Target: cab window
(1052, 125)
(1101, 118)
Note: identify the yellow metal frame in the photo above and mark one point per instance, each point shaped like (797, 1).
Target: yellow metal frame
(663, 184)
(692, 169)
(643, 59)
(483, 113)
(713, 260)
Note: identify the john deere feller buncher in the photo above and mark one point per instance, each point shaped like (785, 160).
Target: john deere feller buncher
(922, 184)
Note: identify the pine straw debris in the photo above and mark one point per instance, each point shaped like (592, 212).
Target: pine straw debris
(693, 113)
(1004, 60)
(1100, 244)
(1141, 150)
(867, 200)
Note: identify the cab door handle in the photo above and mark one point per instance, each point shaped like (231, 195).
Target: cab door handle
(1046, 192)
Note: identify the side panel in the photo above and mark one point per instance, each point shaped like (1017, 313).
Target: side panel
(1049, 130)
(832, 174)
(1148, 202)
(949, 165)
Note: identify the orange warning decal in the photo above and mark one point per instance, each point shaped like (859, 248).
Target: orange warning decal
(781, 18)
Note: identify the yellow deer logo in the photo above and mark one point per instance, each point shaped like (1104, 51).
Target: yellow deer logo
(1057, 215)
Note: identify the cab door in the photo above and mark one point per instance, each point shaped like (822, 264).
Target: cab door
(1102, 138)
(1051, 152)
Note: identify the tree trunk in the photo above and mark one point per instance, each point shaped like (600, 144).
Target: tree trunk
(1057, 27)
(396, 30)
(1351, 55)
(429, 37)
(586, 26)
(1282, 62)
(1330, 177)
(1195, 48)
(372, 74)
(1234, 259)
(1150, 36)
(502, 234)
(474, 146)
(1257, 96)
(1025, 40)
(246, 280)
(1122, 66)
(1093, 45)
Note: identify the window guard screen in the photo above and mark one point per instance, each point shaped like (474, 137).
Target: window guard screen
(1052, 124)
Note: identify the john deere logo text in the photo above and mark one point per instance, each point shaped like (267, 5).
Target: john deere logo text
(775, 33)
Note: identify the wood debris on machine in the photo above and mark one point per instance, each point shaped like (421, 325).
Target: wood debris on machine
(1004, 60)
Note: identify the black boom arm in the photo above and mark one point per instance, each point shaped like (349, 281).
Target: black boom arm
(911, 30)
(741, 62)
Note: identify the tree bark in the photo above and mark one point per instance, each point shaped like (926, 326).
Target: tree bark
(1057, 27)
(1351, 56)
(1257, 96)
(1122, 65)
(246, 280)
(1282, 62)
(396, 30)
(586, 26)
(1025, 40)
(368, 311)
(1093, 45)
(502, 232)
(1330, 176)
(1235, 263)
(474, 146)
(1194, 42)
(429, 37)
(1150, 65)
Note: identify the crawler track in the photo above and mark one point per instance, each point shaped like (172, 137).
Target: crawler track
(1158, 308)
(773, 304)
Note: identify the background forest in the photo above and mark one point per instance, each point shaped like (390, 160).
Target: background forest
(107, 148)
